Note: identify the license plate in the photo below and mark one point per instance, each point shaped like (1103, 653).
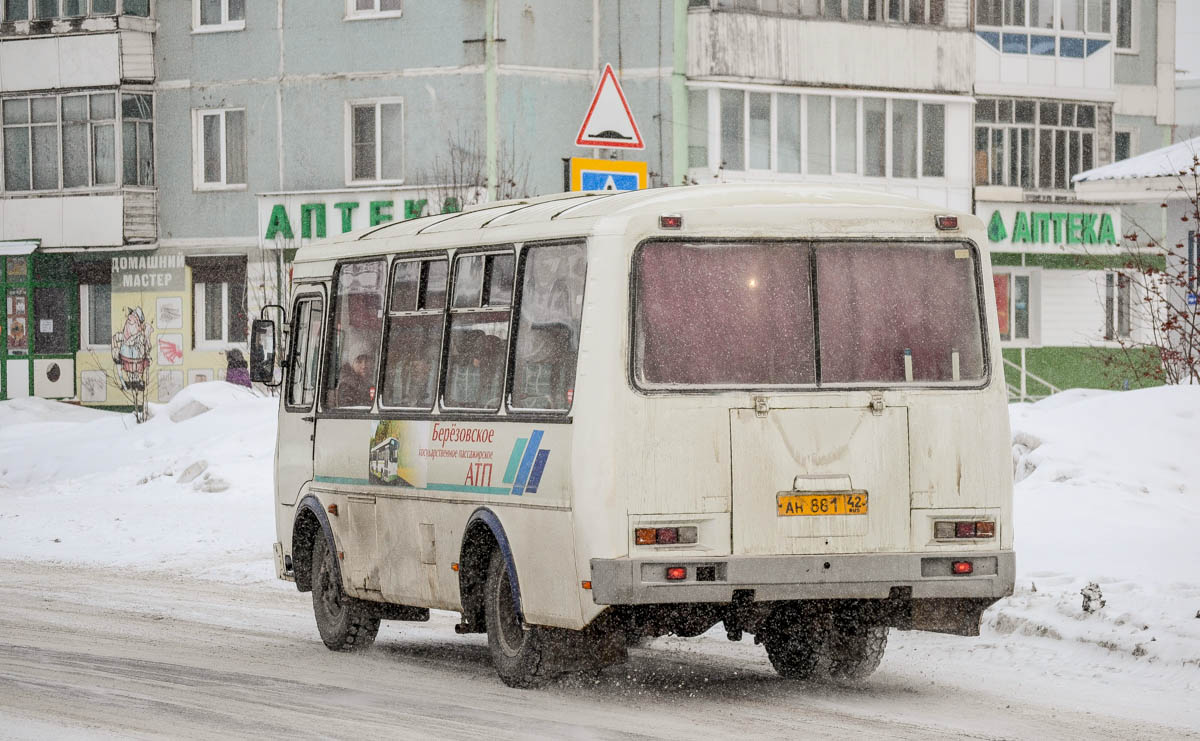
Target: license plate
(820, 504)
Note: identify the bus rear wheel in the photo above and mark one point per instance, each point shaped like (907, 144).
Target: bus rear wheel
(856, 649)
(798, 647)
(345, 623)
(520, 652)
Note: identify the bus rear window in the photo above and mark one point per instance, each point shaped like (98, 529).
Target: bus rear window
(724, 315)
(729, 315)
(898, 313)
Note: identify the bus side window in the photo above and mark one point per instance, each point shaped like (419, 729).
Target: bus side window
(549, 317)
(352, 354)
(302, 369)
(413, 346)
(479, 318)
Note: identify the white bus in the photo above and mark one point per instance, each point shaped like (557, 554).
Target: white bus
(584, 419)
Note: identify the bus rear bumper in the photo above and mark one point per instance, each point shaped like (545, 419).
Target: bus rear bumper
(641, 581)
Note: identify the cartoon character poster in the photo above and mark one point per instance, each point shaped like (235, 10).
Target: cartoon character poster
(131, 349)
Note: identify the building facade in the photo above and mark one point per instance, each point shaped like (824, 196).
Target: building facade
(163, 160)
(1062, 87)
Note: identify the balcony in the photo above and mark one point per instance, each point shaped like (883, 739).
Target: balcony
(113, 49)
(112, 218)
(808, 51)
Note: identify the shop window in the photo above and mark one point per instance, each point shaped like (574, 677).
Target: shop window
(846, 130)
(875, 136)
(933, 143)
(479, 319)
(95, 315)
(413, 344)
(219, 302)
(16, 314)
(788, 114)
(820, 140)
(373, 8)
(352, 349)
(218, 15)
(1117, 306)
(220, 149)
(733, 127)
(548, 323)
(904, 138)
(1015, 309)
(375, 141)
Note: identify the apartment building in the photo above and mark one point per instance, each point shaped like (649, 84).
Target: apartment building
(1062, 87)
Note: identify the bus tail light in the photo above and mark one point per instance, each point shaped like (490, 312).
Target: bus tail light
(670, 221)
(961, 568)
(676, 573)
(957, 529)
(665, 535)
(946, 223)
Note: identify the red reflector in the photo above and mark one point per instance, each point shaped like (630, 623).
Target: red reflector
(946, 222)
(670, 222)
(961, 567)
(676, 573)
(964, 530)
(668, 535)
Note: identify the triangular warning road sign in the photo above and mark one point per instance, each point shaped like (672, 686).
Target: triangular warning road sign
(609, 122)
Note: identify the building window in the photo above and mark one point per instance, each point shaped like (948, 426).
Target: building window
(842, 135)
(890, 11)
(697, 128)
(1031, 144)
(1122, 145)
(219, 160)
(1117, 306)
(1015, 305)
(375, 140)
(95, 313)
(1126, 26)
(23, 10)
(218, 15)
(58, 142)
(218, 302)
(356, 9)
(137, 139)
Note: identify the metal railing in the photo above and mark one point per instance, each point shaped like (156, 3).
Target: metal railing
(1022, 392)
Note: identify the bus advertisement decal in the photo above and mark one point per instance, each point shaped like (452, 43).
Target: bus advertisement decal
(454, 457)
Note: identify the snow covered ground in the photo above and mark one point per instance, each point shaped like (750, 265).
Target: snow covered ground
(1108, 494)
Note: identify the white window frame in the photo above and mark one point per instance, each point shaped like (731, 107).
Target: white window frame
(1117, 338)
(1134, 20)
(349, 146)
(1035, 304)
(200, 307)
(86, 341)
(198, 182)
(1133, 141)
(223, 26)
(354, 14)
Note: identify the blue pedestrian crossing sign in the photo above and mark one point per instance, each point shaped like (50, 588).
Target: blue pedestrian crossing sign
(599, 175)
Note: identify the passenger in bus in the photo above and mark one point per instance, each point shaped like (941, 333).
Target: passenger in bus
(354, 382)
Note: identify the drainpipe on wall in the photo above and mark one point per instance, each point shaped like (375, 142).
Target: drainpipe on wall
(489, 45)
(679, 100)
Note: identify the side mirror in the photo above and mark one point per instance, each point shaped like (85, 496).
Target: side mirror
(263, 344)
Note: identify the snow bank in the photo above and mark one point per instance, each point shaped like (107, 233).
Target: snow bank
(1108, 493)
(188, 490)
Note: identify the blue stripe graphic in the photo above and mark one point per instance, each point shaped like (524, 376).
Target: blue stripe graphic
(527, 461)
(539, 465)
(514, 460)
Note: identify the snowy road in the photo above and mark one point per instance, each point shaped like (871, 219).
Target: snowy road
(88, 653)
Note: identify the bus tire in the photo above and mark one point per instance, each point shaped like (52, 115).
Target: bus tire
(798, 649)
(345, 623)
(520, 652)
(855, 650)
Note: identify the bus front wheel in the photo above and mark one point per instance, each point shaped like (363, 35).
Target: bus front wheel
(520, 652)
(345, 623)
